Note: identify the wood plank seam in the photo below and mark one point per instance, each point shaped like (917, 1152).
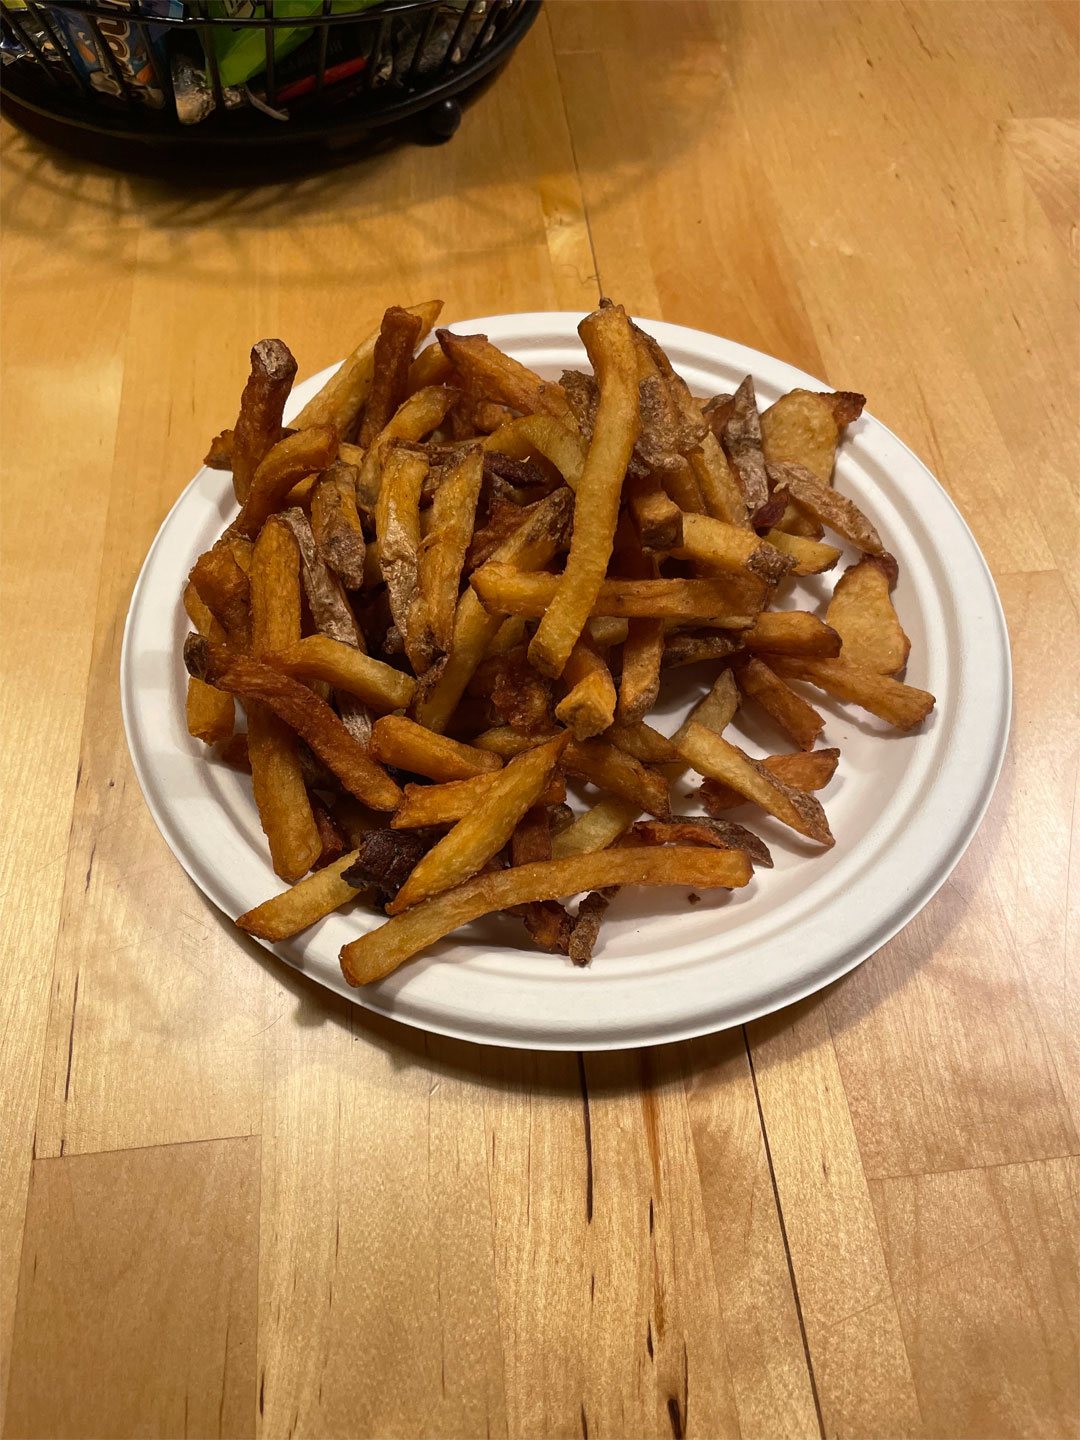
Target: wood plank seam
(783, 1235)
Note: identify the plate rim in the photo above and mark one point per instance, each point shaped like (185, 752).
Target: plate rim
(552, 328)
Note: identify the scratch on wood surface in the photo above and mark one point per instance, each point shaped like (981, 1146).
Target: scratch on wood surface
(588, 1140)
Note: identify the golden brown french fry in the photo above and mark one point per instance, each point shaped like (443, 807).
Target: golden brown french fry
(211, 714)
(828, 506)
(447, 803)
(399, 335)
(811, 557)
(715, 710)
(680, 483)
(643, 743)
(904, 706)
(794, 716)
(807, 770)
(442, 555)
(588, 707)
(289, 461)
(416, 417)
(643, 650)
(682, 649)
(792, 632)
(318, 657)
(657, 519)
(378, 953)
(302, 711)
(335, 523)
(484, 831)
(341, 399)
(329, 606)
(599, 827)
(804, 427)
(605, 765)
(277, 778)
(531, 435)
(716, 480)
(722, 600)
(606, 335)
(715, 758)
(861, 612)
(224, 589)
(533, 544)
(490, 373)
(694, 830)
(407, 745)
(719, 546)
(742, 443)
(315, 897)
(397, 527)
(431, 367)
(258, 425)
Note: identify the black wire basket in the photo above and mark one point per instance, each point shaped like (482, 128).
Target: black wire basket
(184, 74)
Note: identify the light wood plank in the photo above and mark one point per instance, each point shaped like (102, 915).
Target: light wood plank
(59, 407)
(137, 1295)
(983, 1264)
(864, 1375)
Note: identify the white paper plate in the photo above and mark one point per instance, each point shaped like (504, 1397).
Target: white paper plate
(902, 807)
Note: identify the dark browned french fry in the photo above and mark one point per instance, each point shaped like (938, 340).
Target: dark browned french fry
(398, 337)
(258, 425)
(290, 460)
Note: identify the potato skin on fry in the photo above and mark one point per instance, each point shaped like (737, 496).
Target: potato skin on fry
(302, 711)
(381, 951)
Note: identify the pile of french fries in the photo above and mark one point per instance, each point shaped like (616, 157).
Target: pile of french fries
(451, 589)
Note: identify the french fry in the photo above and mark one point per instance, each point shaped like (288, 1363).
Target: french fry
(224, 589)
(811, 557)
(533, 544)
(861, 612)
(335, 523)
(331, 838)
(341, 399)
(657, 519)
(397, 526)
(804, 427)
(442, 555)
(605, 765)
(643, 743)
(277, 777)
(519, 695)
(318, 657)
(693, 649)
(808, 770)
(720, 546)
(716, 480)
(742, 444)
(315, 897)
(903, 706)
(531, 435)
(681, 486)
(715, 758)
(789, 711)
(643, 649)
(289, 461)
(828, 507)
(445, 804)
(496, 375)
(585, 928)
(792, 632)
(329, 607)
(545, 920)
(606, 335)
(599, 827)
(399, 335)
(431, 367)
(258, 425)
(683, 404)
(507, 590)
(693, 830)
(416, 417)
(484, 831)
(407, 745)
(588, 707)
(211, 714)
(302, 711)
(381, 951)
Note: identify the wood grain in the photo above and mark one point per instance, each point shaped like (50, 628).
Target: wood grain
(855, 1218)
(137, 1295)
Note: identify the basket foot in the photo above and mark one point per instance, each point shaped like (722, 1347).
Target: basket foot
(440, 121)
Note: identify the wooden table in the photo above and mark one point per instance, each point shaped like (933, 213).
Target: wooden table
(234, 1204)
